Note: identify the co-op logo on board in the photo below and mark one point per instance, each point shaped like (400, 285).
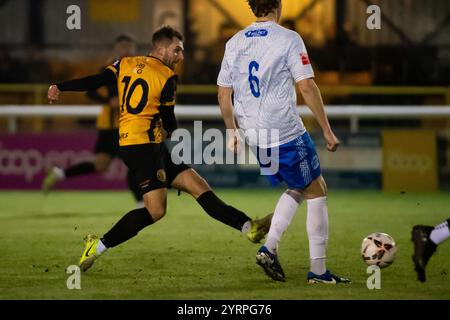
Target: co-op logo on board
(421, 163)
(30, 162)
(256, 33)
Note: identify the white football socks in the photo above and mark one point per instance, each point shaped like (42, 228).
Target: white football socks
(100, 247)
(317, 266)
(440, 233)
(246, 226)
(317, 229)
(284, 212)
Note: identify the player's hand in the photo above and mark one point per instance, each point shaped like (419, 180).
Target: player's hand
(234, 143)
(332, 141)
(114, 102)
(53, 94)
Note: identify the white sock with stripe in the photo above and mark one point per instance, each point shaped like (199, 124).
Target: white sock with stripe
(440, 233)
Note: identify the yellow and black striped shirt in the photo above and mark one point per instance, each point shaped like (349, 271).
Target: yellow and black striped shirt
(145, 86)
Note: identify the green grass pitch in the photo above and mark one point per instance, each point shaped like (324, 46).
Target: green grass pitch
(188, 255)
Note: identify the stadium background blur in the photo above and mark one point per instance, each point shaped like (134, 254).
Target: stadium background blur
(404, 64)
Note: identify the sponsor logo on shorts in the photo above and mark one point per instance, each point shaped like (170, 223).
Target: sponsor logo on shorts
(144, 184)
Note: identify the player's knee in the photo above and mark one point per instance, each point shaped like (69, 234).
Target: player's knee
(295, 194)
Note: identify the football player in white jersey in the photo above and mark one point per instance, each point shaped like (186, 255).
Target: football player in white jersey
(262, 65)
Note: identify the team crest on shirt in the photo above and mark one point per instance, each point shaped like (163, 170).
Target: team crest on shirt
(305, 58)
(161, 175)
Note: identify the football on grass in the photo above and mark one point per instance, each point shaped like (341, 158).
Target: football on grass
(378, 249)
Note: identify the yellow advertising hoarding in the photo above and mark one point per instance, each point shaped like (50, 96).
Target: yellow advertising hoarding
(410, 160)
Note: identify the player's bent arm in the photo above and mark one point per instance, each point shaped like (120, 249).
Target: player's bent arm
(226, 107)
(313, 100)
(167, 106)
(88, 83)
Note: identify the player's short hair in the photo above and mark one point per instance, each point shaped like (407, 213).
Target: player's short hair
(165, 34)
(262, 8)
(125, 37)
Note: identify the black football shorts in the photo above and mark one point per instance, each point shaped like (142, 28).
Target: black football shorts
(151, 164)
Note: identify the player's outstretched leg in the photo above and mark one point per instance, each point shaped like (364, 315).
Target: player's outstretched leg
(255, 230)
(270, 264)
(191, 182)
(126, 228)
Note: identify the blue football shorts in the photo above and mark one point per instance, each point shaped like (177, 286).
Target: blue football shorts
(295, 162)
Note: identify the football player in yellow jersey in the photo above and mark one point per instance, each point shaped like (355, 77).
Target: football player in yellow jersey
(107, 144)
(147, 90)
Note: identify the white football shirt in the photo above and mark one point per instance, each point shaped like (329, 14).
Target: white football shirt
(262, 63)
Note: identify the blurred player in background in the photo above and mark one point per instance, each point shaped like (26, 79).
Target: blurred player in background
(107, 144)
(147, 91)
(426, 239)
(261, 64)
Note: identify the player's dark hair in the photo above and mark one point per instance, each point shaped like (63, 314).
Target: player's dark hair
(165, 34)
(125, 37)
(262, 8)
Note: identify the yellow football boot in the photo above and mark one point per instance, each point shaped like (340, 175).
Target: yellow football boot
(259, 228)
(90, 252)
(49, 182)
